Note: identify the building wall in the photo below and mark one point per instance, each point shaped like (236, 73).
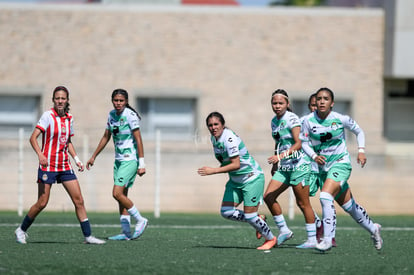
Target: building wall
(231, 59)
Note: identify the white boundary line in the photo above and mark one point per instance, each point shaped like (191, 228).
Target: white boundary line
(189, 226)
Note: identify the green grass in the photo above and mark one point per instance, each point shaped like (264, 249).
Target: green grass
(197, 244)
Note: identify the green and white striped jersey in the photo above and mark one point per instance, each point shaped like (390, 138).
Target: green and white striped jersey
(121, 128)
(282, 135)
(230, 145)
(326, 137)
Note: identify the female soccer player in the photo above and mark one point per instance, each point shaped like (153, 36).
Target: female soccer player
(56, 127)
(123, 126)
(246, 179)
(324, 141)
(293, 169)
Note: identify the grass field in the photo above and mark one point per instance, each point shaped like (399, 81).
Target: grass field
(197, 244)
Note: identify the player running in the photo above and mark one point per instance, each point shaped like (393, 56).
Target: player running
(324, 140)
(246, 179)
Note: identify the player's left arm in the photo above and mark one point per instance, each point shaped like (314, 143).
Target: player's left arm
(72, 152)
(140, 147)
(351, 124)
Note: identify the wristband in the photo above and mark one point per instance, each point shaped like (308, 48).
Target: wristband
(141, 163)
(76, 158)
(361, 150)
(314, 156)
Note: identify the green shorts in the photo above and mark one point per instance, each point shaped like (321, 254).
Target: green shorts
(299, 175)
(251, 193)
(313, 183)
(339, 172)
(125, 173)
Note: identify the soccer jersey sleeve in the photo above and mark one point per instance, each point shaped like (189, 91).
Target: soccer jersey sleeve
(232, 145)
(294, 121)
(43, 122)
(351, 124)
(133, 120)
(72, 129)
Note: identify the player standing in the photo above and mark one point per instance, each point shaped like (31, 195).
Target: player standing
(123, 126)
(56, 127)
(293, 170)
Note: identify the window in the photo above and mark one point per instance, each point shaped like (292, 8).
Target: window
(21, 111)
(174, 117)
(399, 110)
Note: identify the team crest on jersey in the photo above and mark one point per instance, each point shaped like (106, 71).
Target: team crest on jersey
(121, 121)
(282, 125)
(44, 177)
(334, 126)
(62, 139)
(63, 130)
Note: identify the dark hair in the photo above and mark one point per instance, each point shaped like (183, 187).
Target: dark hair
(284, 93)
(125, 94)
(310, 98)
(62, 88)
(328, 90)
(217, 115)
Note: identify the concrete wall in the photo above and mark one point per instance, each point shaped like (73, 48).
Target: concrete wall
(230, 58)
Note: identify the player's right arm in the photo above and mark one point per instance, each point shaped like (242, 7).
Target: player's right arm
(36, 148)
(101, 145)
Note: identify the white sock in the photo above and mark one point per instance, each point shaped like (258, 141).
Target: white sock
(359, 214)
(231, 213)
(328, 215)
(133, 211)
(311, 230)
(259, 224)
(281, 223)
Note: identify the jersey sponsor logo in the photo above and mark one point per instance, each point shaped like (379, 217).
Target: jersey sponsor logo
(254, 199)
(62, 139)
(276, 136)
(324, 137)
(120, 180)
(115, 130)
(230, 139)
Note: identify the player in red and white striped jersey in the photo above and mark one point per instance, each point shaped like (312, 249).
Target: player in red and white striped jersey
(56, 127)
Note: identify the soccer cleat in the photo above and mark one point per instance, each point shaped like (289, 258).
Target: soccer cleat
(20, 235)
(307, 244)
(376, 237)
(324, 245)
(258, 234)
(319, 233)
(139, 228)
(268, 244)
(283, 237)
(93, 240)
(119, 237)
